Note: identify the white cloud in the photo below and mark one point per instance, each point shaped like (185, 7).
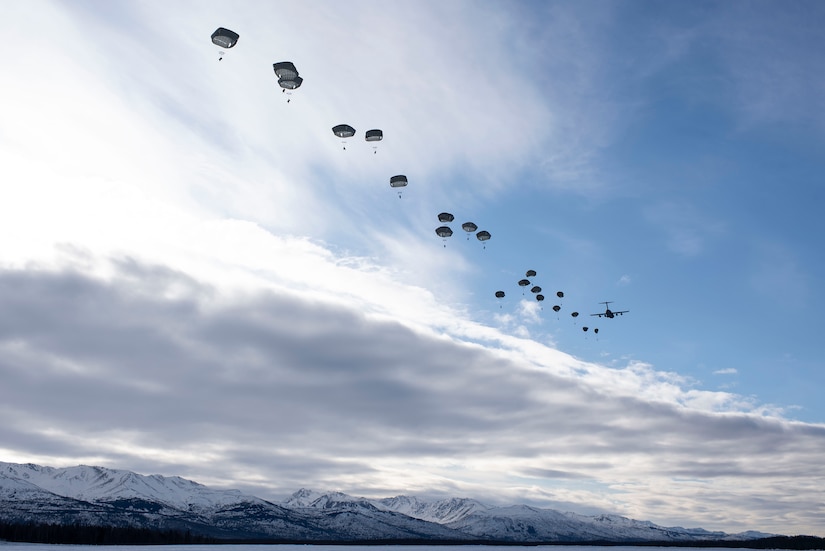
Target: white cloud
(276, 382)
(726, 371)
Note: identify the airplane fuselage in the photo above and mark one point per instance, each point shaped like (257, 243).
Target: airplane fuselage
(608, 313)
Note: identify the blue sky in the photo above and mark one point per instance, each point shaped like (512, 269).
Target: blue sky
(253, 307)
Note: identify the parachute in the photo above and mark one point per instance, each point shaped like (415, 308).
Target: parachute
(530, 273)
(536, 289)
(469, 227)
(287, 74)
(445, 217)
(285, 70)
(560, 294)
(574, 314)
(291, 83)
(374, 135)
(539, 297)
(556, 308)
(483, 236)
(224, 38)
(523, 282)
(499, 294)
(444, 232)
(343, 131)
(399, 182)
(585, 328)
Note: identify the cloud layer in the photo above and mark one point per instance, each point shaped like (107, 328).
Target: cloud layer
(276, 389)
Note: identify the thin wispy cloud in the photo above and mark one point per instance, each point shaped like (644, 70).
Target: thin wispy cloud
(726, 371)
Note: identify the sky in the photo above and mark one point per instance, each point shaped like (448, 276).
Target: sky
(197, 278)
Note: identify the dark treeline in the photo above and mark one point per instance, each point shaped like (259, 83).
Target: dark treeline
(80, 534)
(773, 542)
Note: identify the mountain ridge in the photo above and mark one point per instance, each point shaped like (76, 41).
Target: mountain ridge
(100, 496)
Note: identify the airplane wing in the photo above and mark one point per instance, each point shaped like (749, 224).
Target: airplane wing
(600, 315)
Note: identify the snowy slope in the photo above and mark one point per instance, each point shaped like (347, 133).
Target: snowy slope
(101, 484)
(443, 511)
(111, 497)
(520, 523)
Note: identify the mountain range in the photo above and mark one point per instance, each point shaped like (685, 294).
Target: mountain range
(98, 496)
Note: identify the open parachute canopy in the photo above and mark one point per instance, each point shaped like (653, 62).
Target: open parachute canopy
(225, 38)
(539, 297)
(536, 289)
(469, 227)
(524, 282)
(556, 308)
(343, 131)
(499, 294)
(287, 74)
(374, 135)
(445, 217)
(530, 273)
(285, 70)
(483, 236)
(443, 232)
(290, 83)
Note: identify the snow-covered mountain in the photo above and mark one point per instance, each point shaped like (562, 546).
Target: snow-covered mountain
(100, 484)
(444, 511)
(108, 497)
(521, 523)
